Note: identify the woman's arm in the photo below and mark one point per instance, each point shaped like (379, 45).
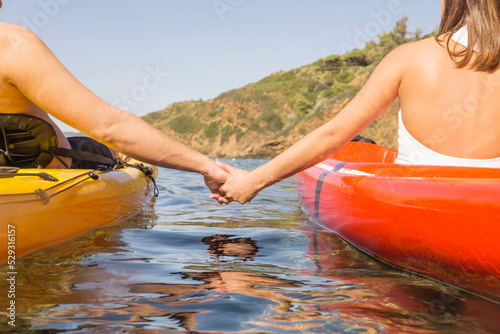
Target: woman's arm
(375, 97)
(29, 65)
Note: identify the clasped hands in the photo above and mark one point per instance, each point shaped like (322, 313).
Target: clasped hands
(229, 184)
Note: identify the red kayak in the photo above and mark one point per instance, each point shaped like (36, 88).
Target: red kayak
(441, 222)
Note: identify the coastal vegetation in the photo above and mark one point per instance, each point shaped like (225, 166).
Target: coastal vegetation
(263, 118)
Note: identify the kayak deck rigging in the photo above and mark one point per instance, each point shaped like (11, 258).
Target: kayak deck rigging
(44, 195)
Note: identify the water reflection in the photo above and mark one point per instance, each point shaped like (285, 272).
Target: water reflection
(184, 265)
(339, 293)
(398, 301)
(221, 245)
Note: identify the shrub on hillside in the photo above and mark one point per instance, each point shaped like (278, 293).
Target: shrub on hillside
(356, 58)
(334, 61)
(211, 130)
(273, 120)
(183, 124)
(301, 105)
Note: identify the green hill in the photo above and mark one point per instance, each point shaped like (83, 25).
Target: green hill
(262, 119)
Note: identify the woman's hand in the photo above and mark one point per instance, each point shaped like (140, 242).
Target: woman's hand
(239, 186)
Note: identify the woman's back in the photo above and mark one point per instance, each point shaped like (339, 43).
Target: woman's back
(452, 111)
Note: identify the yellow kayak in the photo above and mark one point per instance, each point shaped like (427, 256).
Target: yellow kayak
(43, 207)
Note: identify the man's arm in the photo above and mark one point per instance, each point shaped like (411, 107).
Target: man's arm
(28, 64)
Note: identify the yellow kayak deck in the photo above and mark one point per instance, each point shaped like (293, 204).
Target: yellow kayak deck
(43, 207)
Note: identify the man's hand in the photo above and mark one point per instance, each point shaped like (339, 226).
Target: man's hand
(214, 179)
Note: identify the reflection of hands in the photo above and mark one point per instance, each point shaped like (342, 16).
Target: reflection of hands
(238, 186)
(214, 180)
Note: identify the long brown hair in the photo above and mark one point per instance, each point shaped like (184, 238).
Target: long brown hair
(482, 18)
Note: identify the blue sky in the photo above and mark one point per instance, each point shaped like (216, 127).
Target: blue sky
(145, 55)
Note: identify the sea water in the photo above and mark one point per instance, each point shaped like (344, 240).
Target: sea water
(187, 264)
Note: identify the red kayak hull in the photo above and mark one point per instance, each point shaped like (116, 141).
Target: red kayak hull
(441, 222)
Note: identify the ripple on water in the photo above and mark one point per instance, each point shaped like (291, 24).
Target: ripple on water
(186, 264)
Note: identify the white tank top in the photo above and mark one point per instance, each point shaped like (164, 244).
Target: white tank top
(411, 151)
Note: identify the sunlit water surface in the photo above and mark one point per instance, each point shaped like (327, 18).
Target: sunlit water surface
(186, 264)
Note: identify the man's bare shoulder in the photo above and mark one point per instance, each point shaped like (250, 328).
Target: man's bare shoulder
(11, 34)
